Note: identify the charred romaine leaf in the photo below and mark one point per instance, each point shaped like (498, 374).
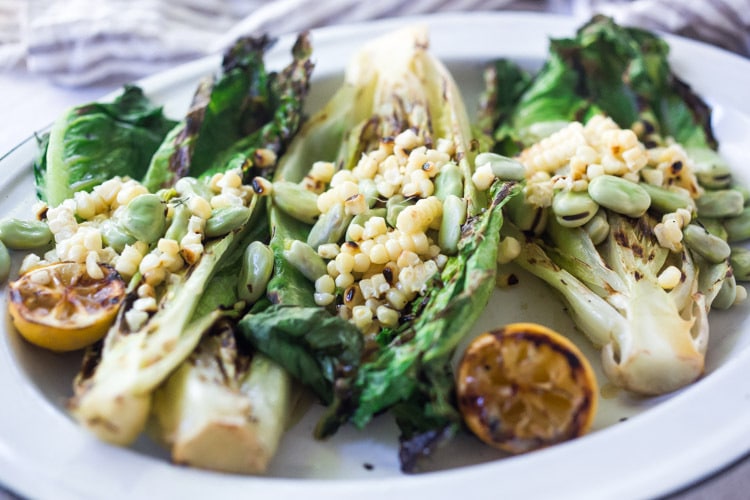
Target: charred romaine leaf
(95, 142)
(605, 68)
(233, 115)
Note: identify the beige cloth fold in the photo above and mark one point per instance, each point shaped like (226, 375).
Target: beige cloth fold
(80, 42)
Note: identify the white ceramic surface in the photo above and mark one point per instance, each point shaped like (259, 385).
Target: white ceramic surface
(638, 448)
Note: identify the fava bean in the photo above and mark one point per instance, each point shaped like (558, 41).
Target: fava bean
(711, 247)
(454, 217)
(20, 234)
(256, 270)
(597, 228)
(4, 263)
(727, 294)
(369, 190)
(330, 226)
(527, 218)
(225, 220)
(449, 181)
(114, 235)
(296, 201)
(710, 168)
(720, 204)
(504, 168)
(305, 260)
(619, 195)
(178, 227)
(738, 227)
(668, 200)
(573, 208)
(714, 226)
(740, 260)
(145, 218)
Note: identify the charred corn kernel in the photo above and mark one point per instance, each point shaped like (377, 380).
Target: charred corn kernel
(356, 204)
(261, 186)
(264, 157)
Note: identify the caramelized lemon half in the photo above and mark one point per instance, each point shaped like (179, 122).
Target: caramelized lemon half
(61, 308)
(524, 387)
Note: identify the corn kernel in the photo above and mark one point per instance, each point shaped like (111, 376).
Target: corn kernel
(322, 298)
(387, 316)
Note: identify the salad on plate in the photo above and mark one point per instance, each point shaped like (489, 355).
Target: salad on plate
(223, 272)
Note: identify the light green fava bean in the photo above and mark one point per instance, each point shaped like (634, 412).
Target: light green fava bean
(454, 216)
(192, 186)
(330, 226)
(256, 271)
(714, 226)
(24, 235)
(727, 294)
(710, 168)
(296, 201)
(449, 181)
(619, 195)
(369, 190)
(713, 248)
(114, 235)
(145, 218)
(504, 168)
(597, 228)
(738, 227)
(721, 203)
(526, 217)
(306, 260)
(4, 263)
(740, 260)
(225, 220)
(573, 208)
(667, 200)
(178, 227)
